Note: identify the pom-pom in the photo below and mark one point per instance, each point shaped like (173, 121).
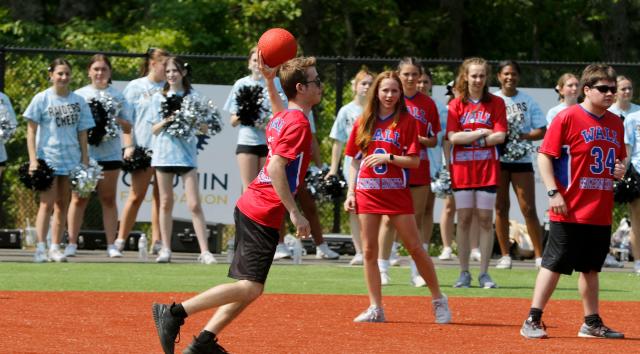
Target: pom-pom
(324, 189)
(627, 189)
(40, 179)
(441, 186)
(140, 160)
(104, 110)
(188, 114)
(251, 111)
(84, 179)
(7, 126)
(212, 118)
(515, 148)
(277, 46)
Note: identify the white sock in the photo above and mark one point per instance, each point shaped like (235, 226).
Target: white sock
(383, 264)
(414, 269)
(54, 246)
(41, 246)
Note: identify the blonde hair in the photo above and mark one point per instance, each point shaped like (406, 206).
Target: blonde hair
(561, 82)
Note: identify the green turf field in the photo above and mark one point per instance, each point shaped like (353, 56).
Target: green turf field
(305, 279)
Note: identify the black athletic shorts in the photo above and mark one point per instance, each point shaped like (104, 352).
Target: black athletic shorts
(516, 167)
(255, 246)
(488, 189)
(179, 170)
(579, 247)
(260, 150)
(110, 165)
(3, 163)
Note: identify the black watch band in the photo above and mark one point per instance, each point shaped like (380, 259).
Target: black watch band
(552, 192)
(391, 157)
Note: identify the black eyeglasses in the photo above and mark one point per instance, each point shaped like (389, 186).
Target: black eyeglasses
(605, 88)
(317, 81)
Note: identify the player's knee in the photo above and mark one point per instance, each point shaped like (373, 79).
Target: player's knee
(252, 290)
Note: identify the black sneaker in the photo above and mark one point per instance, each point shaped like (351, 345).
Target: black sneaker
(533, 329)
(212, 347)
(168, 326)
(598, 331)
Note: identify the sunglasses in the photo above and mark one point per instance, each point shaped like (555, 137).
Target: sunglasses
(317, 81)
(605, 88)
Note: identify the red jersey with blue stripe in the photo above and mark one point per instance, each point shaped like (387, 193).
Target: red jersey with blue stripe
(472, 165)
(425, 113)
(585, 148)
(288, 135)
(383, 189)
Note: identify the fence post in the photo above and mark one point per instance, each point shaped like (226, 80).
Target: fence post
(339, 86)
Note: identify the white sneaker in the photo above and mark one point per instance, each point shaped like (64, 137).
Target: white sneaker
(418, 281)
(371, 314)
(611, 262)
(56, 256)
(156, 247)
(636, 267)
(119, 244)
(282, 251)
(112, 252)
(357, 259)
(70, 250)
(394, 259)
(40, 256)
(164, 256)
(207, 258)
(324, 252)
(385, 279)
(441, 309)
(538, 262)
(447, 254)
(475, 254)
(504, 262)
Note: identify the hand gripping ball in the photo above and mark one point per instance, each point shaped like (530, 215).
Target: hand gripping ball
(277, 46)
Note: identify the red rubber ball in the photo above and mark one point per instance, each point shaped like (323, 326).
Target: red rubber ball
(277, 46)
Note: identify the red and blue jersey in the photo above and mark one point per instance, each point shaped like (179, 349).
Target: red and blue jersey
(383, 189)
(288, 135)
(425, 113)
(472, 165)
(585, 148)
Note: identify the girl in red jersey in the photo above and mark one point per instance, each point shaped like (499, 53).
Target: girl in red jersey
(475, 125)
(383, 144)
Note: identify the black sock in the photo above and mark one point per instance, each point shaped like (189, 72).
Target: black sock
(206, 337)
(535, 314)
(593, 320)
(178, 311)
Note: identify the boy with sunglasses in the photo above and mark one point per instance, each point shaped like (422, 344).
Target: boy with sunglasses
(579, 158)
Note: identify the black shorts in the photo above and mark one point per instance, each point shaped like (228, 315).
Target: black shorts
(579, 247)
(516, 167)
(255, 246)
(3, 163)
(260, 150)
(488, 189)
(110, 165)
(179, 170)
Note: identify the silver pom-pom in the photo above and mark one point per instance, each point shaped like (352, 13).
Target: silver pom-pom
(441, 186)
(212, 118)
(84, 179)
(7, 127)
(515, 147)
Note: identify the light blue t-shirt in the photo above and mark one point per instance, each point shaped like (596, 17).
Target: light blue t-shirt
(251, 135)
(341, 129)
(553, 112)
(170, 150)
(531, 114)
(6, 109)
(138, 93)
(435, 153)
(108, 150)
(59, 120)
(632, 137)
(615, 109)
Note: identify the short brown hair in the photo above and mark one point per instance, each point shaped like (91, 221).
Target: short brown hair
(596, 72)
(294, 72)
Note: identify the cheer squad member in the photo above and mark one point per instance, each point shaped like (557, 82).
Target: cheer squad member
(623, 105)
(475, 125)
(631, 137)
(567, 89)
(383, 144)
(6, 109)
(108, 154)
(259, 213)
(579, 160)
(57, 124)
(523, 109)
(138, 93)
(340, 131)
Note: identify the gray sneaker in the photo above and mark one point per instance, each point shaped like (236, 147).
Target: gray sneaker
(441, 309)
(464, 281)
(371, 314)
(167, 325)
(533, 329)
(486, 282)
(598, 331)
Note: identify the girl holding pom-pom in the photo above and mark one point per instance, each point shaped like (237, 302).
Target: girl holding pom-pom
(7, 127)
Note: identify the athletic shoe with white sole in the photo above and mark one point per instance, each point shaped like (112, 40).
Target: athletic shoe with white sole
(385, 279)
(357, 259)
(599, 331)
(394, 259)
(119, 244)
(167, 325)
(156, 247)
(371, 314)
(282, 251)
(441, 309)
(112, 252)
(164, 256)
(418, 281)
(533, 329)
(207, 258)
(504, 262)
(464, 281)
(485, 281)
(197, 347)
(56, 256)
(475, 254)
(324, 252)
(71, 250)
(611, 262)
(447, 254)
(40, 256)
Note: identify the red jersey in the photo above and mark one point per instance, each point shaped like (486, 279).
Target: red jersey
(585, 148)
(472, 165)
(288, 135)
(425, 112)
(383, 189)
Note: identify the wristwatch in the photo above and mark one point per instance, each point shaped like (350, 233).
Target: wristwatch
(391, 157)
(552, 192)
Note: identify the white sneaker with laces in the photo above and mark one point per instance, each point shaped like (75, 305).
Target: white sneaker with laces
(385, 279)
(636, 267)
(475, 254)
(447, 254)
(418, 281)
(112, 251)
(281, 252)
(164, 256)
(56, 256)
(357, 259)
(40, 256)
(324, 252)
(441, 309)
(207, 258)
(71, 250)
(156, 247)
(371, 314)
(119, 244)
(504, 262)
(538, 262)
